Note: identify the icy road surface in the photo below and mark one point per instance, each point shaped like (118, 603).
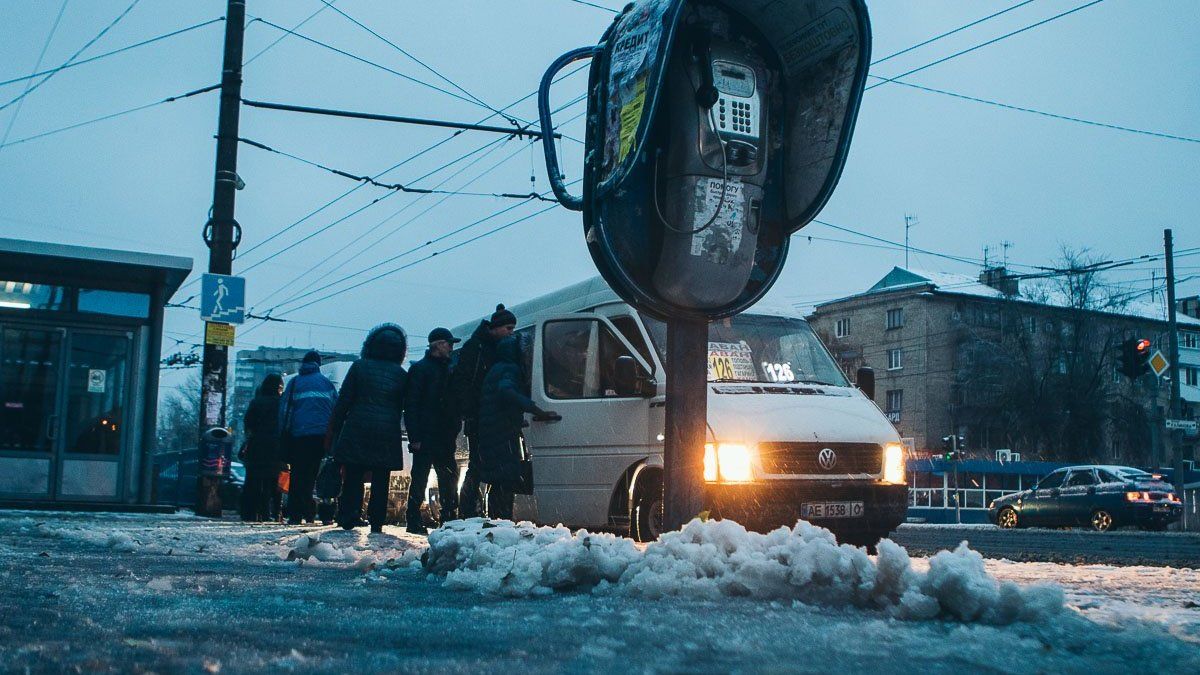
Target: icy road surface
(104, 592)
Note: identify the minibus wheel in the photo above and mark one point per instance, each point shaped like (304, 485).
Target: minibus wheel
(646, 512)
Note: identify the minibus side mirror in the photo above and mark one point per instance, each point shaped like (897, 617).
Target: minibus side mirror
(865, 379)
(630, 379)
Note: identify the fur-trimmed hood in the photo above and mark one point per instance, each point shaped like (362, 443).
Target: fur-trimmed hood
(386, 342)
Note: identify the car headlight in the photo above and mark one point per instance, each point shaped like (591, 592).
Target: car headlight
(893, 464)
(727, 463)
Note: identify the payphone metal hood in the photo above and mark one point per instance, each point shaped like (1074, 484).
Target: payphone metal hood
(821, 50)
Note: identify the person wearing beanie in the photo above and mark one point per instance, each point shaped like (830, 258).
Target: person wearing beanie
(304, 412)
(475, 359)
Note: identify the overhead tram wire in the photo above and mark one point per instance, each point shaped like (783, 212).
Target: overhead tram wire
(371, 63)
(74, 56)
(389, 186)
(110, 116)
(316, 280)
(424, 65)
(951, 32)
(379, 240)
(430, 256)
(355, 212)
(981, 45)
(283, 37)
(114, 52)
(41, 55)
(196, 279)
(1057, 116)
(585, 3)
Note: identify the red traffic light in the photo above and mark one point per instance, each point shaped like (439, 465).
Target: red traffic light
(1143, 345)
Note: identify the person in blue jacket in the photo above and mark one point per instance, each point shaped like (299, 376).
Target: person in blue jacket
(502, 408)
(304, 413)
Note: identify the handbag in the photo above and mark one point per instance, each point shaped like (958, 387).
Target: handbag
(284, 481)
(329, 479)
(523, 485)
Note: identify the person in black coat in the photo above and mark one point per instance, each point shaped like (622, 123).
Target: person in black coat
(502, 408)
(474, 361)
(366, 425)
(261, 454)
(431, 419)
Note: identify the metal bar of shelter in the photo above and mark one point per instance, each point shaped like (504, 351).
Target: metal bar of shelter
(519, 132)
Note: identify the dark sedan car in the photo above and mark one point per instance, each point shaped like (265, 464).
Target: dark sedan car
(1102, 497)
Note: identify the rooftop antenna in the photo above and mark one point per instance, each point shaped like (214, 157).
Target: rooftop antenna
(986, 250)
(909, 222)
(1007, 245)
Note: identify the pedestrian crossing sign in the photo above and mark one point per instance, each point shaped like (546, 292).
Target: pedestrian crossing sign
(223, 298)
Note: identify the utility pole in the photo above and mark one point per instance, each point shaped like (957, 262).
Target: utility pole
(222, 235)
(1175, 411)
(686, 421)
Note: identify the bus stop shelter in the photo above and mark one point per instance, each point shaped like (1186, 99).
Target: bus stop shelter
(80, 342)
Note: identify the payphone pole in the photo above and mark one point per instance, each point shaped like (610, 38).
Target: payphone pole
(686, 421)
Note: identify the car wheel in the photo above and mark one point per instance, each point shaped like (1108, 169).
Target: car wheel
(1007, 518)
(1102, 521)
(646, 513)
(867, 540)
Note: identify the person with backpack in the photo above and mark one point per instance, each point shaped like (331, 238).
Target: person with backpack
(366, 426)
(432, 422)
(261, 454)
(502, 408)
(305, 409)
(474, 361)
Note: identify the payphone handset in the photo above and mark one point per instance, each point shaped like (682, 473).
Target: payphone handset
(709, 187)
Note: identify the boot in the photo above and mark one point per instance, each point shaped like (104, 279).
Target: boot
(417, 528)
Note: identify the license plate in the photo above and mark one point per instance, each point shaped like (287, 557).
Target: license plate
(810, 510)
(1162, 509)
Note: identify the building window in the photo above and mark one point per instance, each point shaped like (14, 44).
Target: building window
(895, 318)
(842, 329)
(1191, 376)
(895, 359)
(24, 295)
(1191, 340)
(895, 401)
(1033, 324)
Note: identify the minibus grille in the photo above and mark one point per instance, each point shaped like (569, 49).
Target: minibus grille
(803, 458)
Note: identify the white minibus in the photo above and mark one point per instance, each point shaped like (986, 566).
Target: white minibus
(789, 436)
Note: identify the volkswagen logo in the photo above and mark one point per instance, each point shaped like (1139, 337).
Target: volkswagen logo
(827, 458)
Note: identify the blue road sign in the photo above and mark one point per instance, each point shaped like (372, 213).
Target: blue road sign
(223, 298)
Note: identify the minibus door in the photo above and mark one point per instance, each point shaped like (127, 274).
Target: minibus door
(605, 428)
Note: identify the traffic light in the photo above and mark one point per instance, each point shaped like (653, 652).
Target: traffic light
(716, 129)
(952, 447)
(1134, 359)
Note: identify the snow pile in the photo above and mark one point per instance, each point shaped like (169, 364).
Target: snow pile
(720, 558)
(310, 547)
(121, 542)
(501, 558)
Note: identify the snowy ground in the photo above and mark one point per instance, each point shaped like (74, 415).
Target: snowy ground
(179, 594)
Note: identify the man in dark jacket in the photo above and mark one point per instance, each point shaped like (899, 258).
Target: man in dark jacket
(366, 427)
(304, 412)
(432, 421)
(502, 408)
(261, 454)
(475, 358)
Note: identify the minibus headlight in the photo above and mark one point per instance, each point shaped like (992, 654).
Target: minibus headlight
(893, 464)
(727, 463)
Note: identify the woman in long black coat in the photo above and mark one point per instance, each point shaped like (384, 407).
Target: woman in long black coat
(502, 408)
(261, 454)
(366, 425)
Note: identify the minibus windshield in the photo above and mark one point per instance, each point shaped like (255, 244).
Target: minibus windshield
(761, 348)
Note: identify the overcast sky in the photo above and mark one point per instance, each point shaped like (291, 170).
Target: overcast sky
(973, 175)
